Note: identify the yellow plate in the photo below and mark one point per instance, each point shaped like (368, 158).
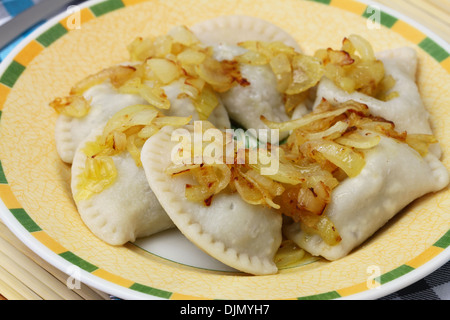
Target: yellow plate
(34, 183)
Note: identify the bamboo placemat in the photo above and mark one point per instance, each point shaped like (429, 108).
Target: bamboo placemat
(26, 276)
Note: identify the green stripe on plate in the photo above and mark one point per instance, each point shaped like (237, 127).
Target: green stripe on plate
(394, 274)
(322, 1)
(3, 179)
(444, 241)
(152, 291)
(79, 262)
(323, 296)
(52, 34)
(434, 50)
(25, 220)
(385, 19)
(106, 6)
(12, 73)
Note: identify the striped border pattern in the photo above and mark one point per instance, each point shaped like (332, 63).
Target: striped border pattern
(23, 58)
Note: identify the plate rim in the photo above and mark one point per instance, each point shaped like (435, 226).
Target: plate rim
(417, 25)
(123, 292)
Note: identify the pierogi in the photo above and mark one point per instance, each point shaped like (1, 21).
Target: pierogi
(350, 163)
(245, 104)
(394, 175)
(126, 210)
(183, 107)
(406, 110)
(105, 101)
(243, 236)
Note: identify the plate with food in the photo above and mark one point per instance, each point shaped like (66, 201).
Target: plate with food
(181, 150)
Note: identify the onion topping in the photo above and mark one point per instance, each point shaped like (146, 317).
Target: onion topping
(127, 131)
(355, 68)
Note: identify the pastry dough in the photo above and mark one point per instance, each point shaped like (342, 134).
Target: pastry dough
(232, 29)
(407, 110)
(246, 104)
(126, 210)
(105, 101)
(394, 176)
(243, 236)
(183, 107)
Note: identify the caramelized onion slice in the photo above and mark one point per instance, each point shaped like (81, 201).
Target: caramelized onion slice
(181, 34)
(289, 254)
(135, 115)
(71, 106)
(205, 102)
(155, 96)
(118, 75)
(211, 180)
(306, 73)
(253, 58)
(332, 132)
(309, 201)
(355, 43)
(350, 161)
(322, 226)
(221, 75)
(253, 190)
(99, 174)
(164, 69)
(354, 67)
(312, 117)
(421, 142)
(199, 193)
(359, 140)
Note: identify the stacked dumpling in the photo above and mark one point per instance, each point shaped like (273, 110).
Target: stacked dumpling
(348, 122)
(109, 186)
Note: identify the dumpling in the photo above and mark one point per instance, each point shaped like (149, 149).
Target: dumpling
(161, 72)
(183, 106)
(117, 203)
(354, 173)
(126, 210)
(104, 101)
(406, 110)
(394, 175)
(246, 104)
(243, 236)
(232, 29)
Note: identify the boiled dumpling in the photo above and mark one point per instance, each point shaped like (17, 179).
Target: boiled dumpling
(232, 29)
(105, 101)
(183, 107)
(406, 110)
(243, 236)
(154, 76)
(126, 210)
(246, 104)
(394, 175)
